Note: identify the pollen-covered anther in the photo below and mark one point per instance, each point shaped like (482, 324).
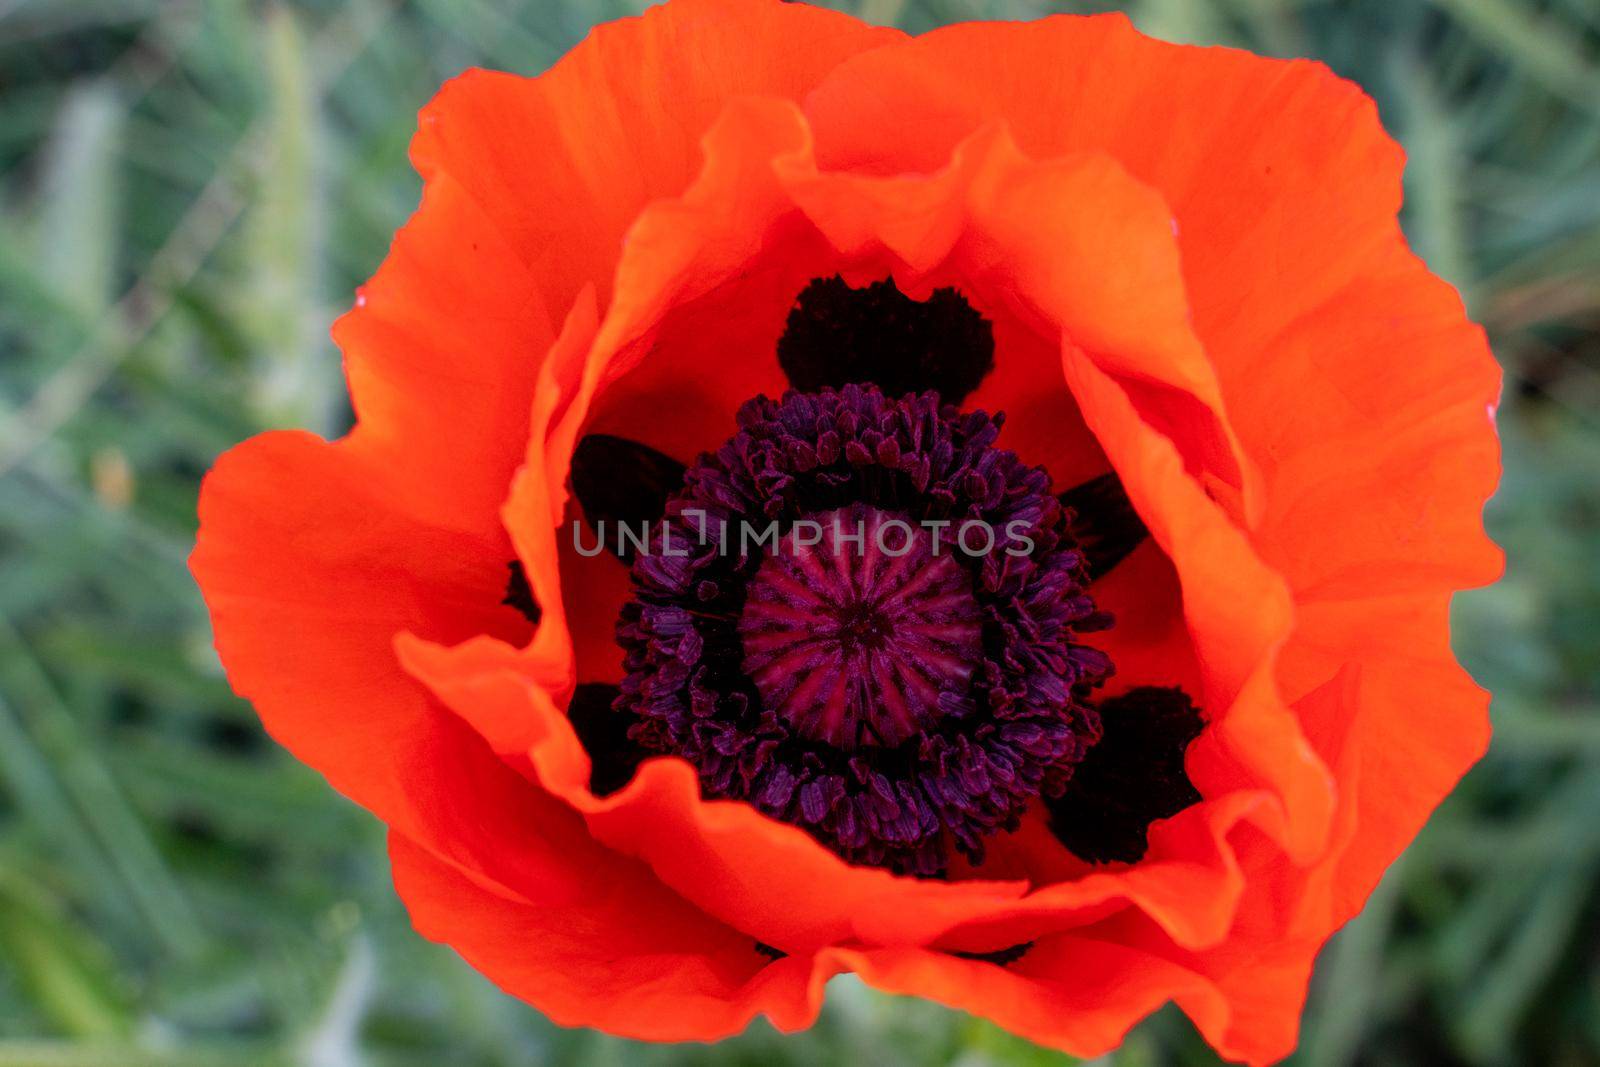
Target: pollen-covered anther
(892, 660)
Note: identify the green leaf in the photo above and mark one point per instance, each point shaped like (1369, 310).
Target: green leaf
(69, 976)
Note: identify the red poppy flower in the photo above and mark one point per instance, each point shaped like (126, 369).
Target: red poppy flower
(744, 263)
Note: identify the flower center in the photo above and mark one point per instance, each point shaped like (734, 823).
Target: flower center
(861, 616)
(870, 627)
(854, 640)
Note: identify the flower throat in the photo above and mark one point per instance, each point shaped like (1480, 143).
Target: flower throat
(863, 616)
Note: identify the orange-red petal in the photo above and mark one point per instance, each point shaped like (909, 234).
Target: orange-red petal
(1352, 377)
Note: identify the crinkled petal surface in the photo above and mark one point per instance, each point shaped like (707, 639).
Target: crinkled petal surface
(1196, 279)
(315, 557)
(1352, 376)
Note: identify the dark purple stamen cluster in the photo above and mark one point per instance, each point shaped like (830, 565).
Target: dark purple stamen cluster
(891, 704)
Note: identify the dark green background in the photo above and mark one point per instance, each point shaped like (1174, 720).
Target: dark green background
(191, 191)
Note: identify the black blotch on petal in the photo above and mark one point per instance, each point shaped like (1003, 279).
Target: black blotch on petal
(519, 594)
(621, 481)
(837, 335)
(1131, 778)
(1104, 523)
(1002, 958)
(764, 949)
(603, 732)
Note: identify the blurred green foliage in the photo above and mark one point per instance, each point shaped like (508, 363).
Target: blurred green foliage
(189, 191)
